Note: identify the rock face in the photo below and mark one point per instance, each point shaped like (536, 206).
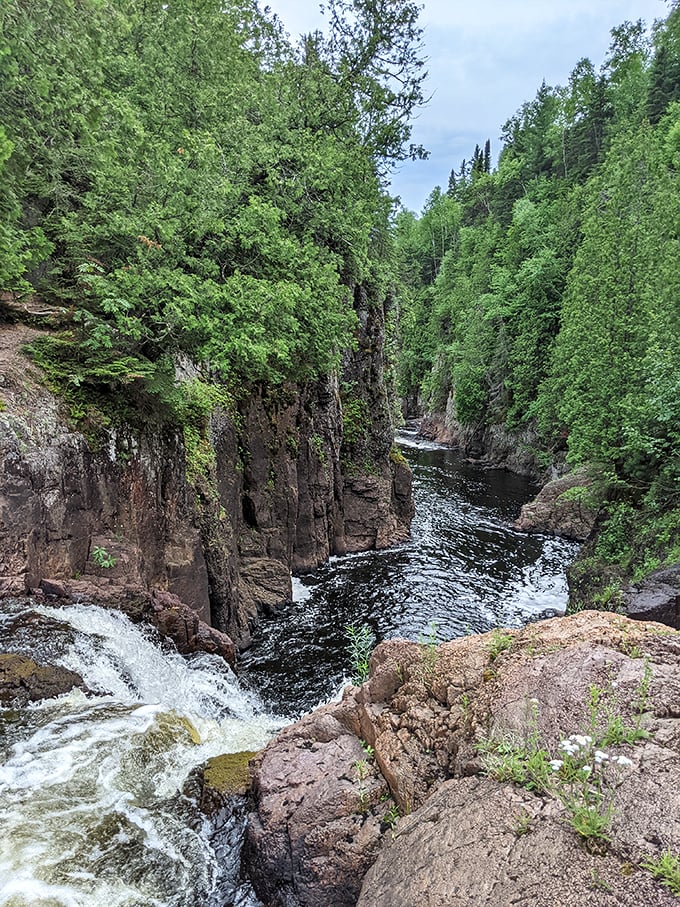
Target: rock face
(490, 444)
(317, 828)
(277, 488)
(469, 836)
(564, 506)
(656, 597)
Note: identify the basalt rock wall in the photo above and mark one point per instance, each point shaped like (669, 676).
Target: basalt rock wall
(490, 444)
(120, 518)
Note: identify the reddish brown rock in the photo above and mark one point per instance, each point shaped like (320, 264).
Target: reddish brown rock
(113, 513)
(566, 506)
(317, 826)
(464, 839)
(476, 843)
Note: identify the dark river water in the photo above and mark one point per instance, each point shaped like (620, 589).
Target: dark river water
(464, 570)
(97, 803)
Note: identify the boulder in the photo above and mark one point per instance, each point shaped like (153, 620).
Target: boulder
(565, 506)
(223, 779)
(315, 831)
(23, 680)
(414, 741)
(656, 597)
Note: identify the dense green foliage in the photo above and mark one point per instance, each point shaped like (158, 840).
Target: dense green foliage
(546, 294)
(188, 186)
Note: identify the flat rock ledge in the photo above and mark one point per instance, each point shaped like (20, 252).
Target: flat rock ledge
(383, 798)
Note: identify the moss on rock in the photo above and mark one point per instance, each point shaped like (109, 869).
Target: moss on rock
(229, 773)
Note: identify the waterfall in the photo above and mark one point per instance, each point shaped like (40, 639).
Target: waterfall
(93, 802)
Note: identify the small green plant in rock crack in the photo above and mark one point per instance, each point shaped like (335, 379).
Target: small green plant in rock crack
(666, 869)
(498, 642)
(367, 749)
(428, 648)
(522, 824)
(361, 769)
(101, 557)
(605, 720)
(597, 883)
(391, 817)
(360, 643)
(316, 441)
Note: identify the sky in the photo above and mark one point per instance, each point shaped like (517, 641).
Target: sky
(484, 61)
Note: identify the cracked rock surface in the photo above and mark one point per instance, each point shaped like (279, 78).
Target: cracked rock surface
(383, 799)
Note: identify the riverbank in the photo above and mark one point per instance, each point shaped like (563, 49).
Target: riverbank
(444, 780)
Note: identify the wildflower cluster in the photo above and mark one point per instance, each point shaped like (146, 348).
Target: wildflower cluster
(583, 782)
(576, 747)
(582, 777)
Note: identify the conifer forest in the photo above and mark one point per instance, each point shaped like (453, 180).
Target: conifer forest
(189, 185)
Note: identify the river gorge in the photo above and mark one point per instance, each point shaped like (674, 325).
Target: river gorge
(96, 792)
(464, 570)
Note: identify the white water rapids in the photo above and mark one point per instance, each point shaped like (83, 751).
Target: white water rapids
(92, 803)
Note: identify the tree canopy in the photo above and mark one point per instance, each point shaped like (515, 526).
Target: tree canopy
(549, 300)
(185, 182)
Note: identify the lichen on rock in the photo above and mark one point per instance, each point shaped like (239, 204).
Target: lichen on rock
(464, 837)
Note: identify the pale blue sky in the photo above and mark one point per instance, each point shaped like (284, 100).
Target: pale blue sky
(485, 60)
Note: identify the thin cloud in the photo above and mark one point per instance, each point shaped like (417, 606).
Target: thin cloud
(484, 61)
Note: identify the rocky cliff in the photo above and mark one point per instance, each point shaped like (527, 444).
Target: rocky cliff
(489, 444)
(118, 516)
(533, 767)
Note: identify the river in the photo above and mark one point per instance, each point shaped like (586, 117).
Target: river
(464, 570)
(96, 804)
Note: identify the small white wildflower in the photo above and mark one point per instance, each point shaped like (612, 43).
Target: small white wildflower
(586, 769)
(600, 757)
(556, 764)
(568, 747)
(533, 700)
(623, 760)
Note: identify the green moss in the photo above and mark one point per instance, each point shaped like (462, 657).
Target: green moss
(200, 453)
(229, 773)
(397, 457)
(356, 419)
(317, 444)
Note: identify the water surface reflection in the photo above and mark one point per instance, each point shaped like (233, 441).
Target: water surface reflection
(464, 568)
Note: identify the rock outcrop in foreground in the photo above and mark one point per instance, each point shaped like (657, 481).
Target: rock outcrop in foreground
(402, 793)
